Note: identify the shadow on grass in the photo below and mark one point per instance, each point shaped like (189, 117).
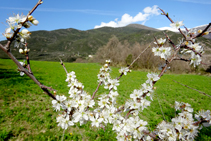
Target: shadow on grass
(5, 135)
(11, 73)
(7, 73)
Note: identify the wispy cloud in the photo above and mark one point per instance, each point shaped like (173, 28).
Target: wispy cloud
(127, 19)
(87, 11)
(196, 1)
(14, 8)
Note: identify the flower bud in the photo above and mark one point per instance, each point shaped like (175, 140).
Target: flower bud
(35, 22)
(25, 34)
(30, 18)
(22, 40)
(186, 43)
(21, 51)
(199, 31)
(106, 65)
(25, 50)
(205, 33)
(25, 31)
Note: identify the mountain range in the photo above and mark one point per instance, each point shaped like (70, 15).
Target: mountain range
(70, 43)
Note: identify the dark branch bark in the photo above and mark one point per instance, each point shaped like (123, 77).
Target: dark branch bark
(200, 34)
(63, 65)
(170, 41)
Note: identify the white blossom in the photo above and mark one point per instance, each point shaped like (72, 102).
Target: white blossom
(177, 24)
(195, 59)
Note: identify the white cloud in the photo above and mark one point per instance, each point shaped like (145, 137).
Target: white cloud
(127, 19)
(170, 29)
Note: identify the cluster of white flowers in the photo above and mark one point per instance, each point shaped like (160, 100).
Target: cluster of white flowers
(182, 127)
(16, 22)
(77, 104)
(104, 74)
(176, 25)
(204, 115)
(138, 98)
(194, 49)
(126, 122)
(106, 111)
(160, 50)
(124, 70)
(125, 119)
(24, 65)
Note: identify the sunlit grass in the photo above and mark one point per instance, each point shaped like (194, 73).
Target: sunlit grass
(26, 111)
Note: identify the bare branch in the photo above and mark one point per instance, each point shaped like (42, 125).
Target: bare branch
(63, 65)
(172, 22)
(190, 48)
(170, 41)
(28, 64)
(18, 29)
(200, 34)
(182, 59)
(93, 95)
(138, 57)
(134, 61)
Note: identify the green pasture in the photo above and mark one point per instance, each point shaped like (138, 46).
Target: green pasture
(26, 112)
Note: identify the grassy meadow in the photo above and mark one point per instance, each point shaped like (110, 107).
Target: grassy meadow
(26, 112)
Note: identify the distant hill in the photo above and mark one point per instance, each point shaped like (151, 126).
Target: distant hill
(70, 43)
(139, 26)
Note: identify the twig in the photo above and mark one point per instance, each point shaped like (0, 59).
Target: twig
(182, 59)
(134, 61)
(28, 72)
(44, 88)
(190, 48)
(28, 63)
(200, 34)
(170, 41)
(93, 95)
(18, 29)
(138, 57)
(63, 65)
(192, 88)
(156, 40)
(172, 22)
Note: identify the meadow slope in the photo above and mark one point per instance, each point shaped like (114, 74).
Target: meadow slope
(26, 112)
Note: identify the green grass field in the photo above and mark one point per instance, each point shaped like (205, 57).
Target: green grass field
(26, 112)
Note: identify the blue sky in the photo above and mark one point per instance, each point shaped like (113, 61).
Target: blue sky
(90, 14)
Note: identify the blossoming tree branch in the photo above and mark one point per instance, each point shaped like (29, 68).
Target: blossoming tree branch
(80, 107)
